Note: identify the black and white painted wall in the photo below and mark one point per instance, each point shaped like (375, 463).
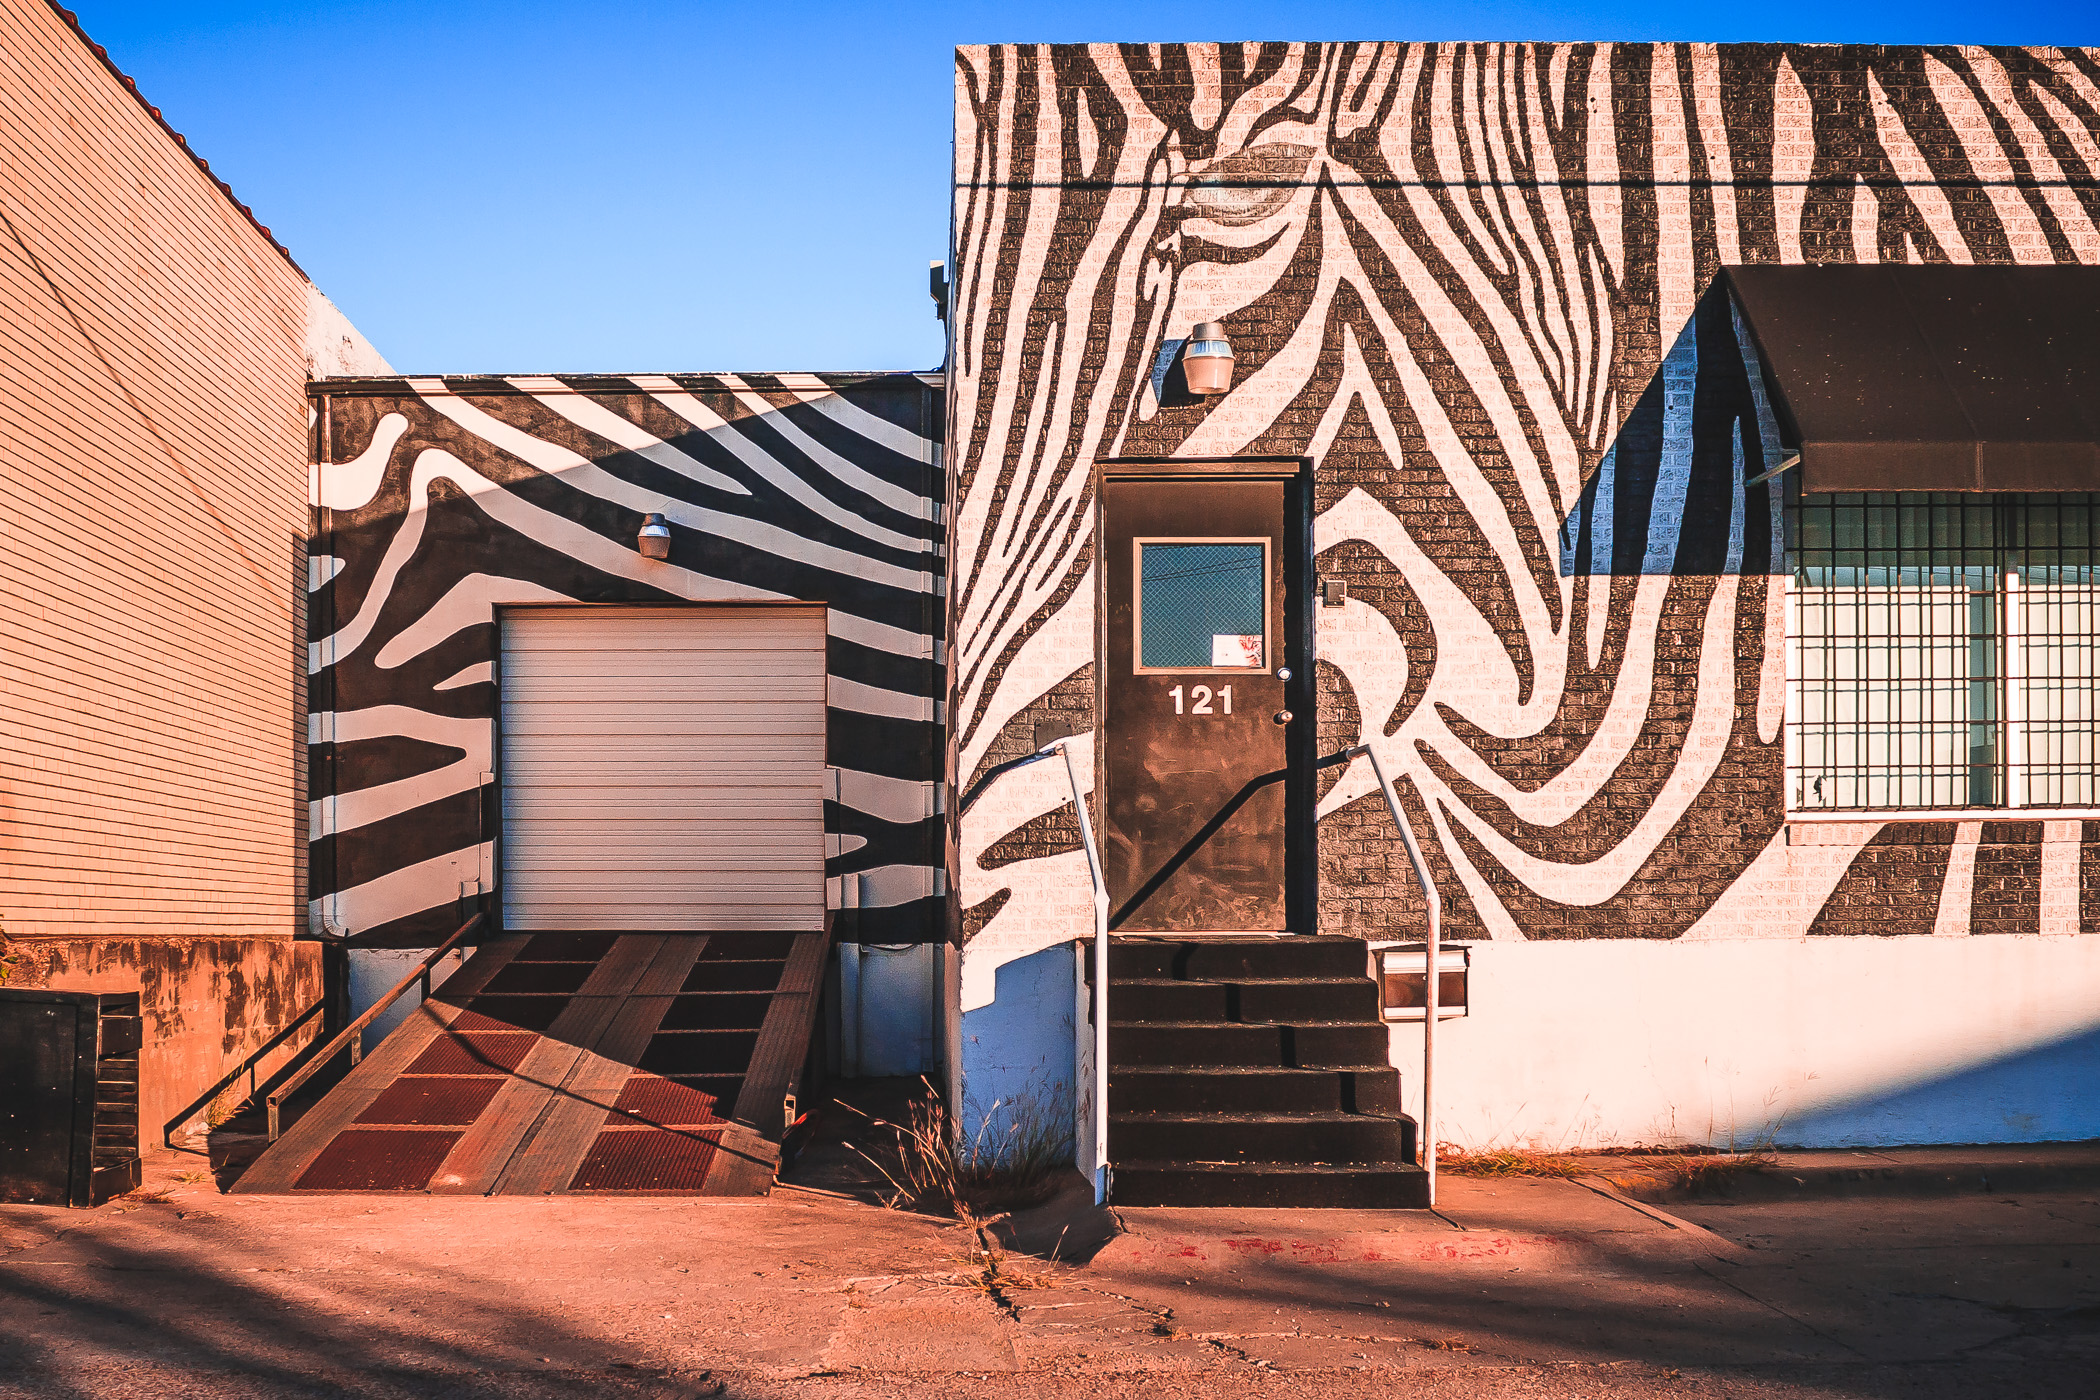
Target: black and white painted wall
(440, 499)
(1474, 283)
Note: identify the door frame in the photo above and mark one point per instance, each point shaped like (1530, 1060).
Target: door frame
(1301, 859)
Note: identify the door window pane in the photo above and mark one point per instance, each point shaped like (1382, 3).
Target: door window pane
(1202, 605)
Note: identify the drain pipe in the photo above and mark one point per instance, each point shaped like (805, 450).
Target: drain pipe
(1431, 973)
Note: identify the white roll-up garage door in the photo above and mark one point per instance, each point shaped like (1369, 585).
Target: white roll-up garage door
(663, 768)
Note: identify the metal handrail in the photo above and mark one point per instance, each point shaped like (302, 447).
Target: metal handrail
(353, 1034)
(1099, 1168)
(1434, 947)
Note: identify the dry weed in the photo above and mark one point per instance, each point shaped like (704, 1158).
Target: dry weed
(1709, 1172)
(1012, 1161)
(1507, 1161)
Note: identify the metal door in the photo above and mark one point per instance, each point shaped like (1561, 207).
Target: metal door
(1197, 667)
(663, 768)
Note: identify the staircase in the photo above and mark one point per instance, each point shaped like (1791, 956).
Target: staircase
(1252, 1071)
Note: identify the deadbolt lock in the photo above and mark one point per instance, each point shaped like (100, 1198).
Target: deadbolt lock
(1283, 673)
(1283, 716)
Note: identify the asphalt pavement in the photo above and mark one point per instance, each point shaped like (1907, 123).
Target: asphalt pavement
(1514, 1287)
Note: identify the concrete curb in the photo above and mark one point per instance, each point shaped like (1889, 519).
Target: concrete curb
(1889, 1172)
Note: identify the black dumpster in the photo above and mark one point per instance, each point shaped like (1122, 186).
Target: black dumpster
(69, 1096)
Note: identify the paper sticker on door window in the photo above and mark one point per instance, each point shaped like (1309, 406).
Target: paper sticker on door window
(1235, 650)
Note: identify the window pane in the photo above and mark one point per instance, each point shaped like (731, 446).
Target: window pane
(2053, 613)
(1202, 606)
(1944, 651)
(1895, 651)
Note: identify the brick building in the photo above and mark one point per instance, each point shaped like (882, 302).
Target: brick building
(1647, 509)
(1673, 467)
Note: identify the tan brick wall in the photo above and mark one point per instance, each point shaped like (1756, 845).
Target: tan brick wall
(153, 450)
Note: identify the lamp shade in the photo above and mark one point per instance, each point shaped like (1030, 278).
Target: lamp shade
(1206, 361)
(654, 541)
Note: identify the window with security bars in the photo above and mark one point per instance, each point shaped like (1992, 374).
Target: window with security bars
(1942, 651)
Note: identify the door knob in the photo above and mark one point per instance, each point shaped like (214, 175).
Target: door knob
(1283, 716)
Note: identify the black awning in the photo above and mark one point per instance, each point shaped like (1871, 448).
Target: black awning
(1938, 378)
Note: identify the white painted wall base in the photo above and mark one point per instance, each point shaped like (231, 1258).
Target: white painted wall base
(374, 971)
(1820, 1042)
(1016, 1048)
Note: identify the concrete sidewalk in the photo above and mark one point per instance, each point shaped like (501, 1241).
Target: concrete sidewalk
(1515, 1288)
(1864, 1171)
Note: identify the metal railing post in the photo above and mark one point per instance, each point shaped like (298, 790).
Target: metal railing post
(1433, 947)
(1093, 865)
(352, 1036)
(1098, 1169)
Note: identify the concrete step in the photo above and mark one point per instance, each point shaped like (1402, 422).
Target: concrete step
(1244, 999)
(1312, 1044)
(1253, 1089)
(1227, 959)
(1284, 1185)
(1335, 1138)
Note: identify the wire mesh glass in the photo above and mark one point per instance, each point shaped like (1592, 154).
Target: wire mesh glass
(1202, 606)
(1942, 650)
(2052, 634)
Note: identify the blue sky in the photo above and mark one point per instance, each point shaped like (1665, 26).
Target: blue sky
(629, 186)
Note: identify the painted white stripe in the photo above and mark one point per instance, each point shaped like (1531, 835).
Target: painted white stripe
(1793, 157)
(858, 421)
(561, 533)
(412, 889)
(352, 484)
(890, 799)
(1979, 141)
(594, 417)
(1919, 180)
(347, 811)
(1673, 474)
(843, 694)
(897, 498)
(1780, 891)
(2060, 912)
(1957, 891)
(760, 461)
(886, 886)
(587, 476)
(468, 603)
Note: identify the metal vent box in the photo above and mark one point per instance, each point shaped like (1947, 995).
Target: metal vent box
(69, 1096)
(1403, 982)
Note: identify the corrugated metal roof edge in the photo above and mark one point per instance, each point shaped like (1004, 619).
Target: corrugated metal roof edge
(130, 85)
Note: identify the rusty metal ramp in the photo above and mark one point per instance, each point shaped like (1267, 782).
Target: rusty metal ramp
(610, 1063)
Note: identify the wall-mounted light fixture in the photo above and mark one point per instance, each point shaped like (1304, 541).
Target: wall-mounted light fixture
(1207, 360)
(654, 541)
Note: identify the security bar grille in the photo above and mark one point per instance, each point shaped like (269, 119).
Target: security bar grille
(1942, 651)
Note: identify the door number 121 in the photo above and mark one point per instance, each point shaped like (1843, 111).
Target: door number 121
(1199, 698)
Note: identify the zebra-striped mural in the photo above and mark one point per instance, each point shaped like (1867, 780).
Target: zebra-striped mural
(440, 499)
(1463, 280)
